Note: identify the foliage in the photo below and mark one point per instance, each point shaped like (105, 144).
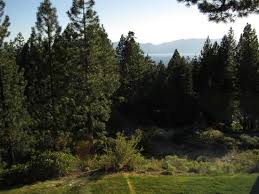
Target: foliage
(66, 90)
(235, 127)
(249, 141)
(42, 167)
(14, 118)
(225, 11)
(211, 135)
(17, 174)
(245, 162)
(52, 164)
(248, 61)
(230, 143)
(123, 154)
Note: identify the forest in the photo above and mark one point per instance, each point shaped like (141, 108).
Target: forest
(70, 102)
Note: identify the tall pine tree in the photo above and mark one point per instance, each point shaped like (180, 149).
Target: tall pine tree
(47, 28)
(94, 75)
(180, 90)
(248, 58)
(225, 82)
(14, 118)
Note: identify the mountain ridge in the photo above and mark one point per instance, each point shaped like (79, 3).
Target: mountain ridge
(191, 46)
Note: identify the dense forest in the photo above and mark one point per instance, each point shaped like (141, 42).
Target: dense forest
(68, 91)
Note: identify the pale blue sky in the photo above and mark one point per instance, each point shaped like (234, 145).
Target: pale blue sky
(154, 21)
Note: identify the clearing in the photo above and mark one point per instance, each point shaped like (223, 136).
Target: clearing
(145, 184)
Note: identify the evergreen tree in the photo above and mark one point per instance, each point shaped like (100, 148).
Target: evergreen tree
(133, 67)
(206, 81)
(225, 79)
(94, 77)
(47, 28)
(5, 23)
(31, 59)
(180, 89)
(196, 74)
(248, 58)
(14, 118)
(224, 11)
(13, 115)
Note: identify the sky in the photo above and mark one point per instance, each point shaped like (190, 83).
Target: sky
(153, 21)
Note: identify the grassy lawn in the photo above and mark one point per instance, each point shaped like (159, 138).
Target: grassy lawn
(137, 184)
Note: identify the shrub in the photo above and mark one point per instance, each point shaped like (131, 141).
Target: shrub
(122, 154)
(83, 149)
(182, 165)
(235, 127)
(211, 135)
(249, 142)
(52, 164)
(176, 163)
(246, 162)
(46, 140)
(42, 167)
(152, 165)
(18, 174)
(229, 142)
(90, 163)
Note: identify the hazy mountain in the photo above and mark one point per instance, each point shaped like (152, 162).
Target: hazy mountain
(164, 51)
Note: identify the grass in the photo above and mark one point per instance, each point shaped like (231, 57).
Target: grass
(145, 184)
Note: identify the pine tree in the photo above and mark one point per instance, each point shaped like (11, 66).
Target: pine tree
(196, 66)
(5, 23)
(30, 61)
(180, 89)
(13, 114)
(225, 79)
(14, 118)
(47, 28)
(133, 67)
(248, 59)
(207, 80)
(94, 75)
(225, 11)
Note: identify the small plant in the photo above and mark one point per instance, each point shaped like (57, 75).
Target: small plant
(211, 135)
(230, 143)
(17, 174)
(249, 141)
(122, 154)
(235, 127)
(52, 164)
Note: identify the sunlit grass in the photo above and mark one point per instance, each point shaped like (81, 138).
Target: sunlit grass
(143, 184)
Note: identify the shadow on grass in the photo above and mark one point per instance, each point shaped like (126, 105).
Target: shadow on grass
(96, 175)
(255, 188)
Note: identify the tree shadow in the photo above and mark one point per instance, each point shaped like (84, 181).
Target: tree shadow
(255, 188)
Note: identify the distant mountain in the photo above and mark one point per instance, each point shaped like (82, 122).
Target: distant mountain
(184, 46)
(164, 51)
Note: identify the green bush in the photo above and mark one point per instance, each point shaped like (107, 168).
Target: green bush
(152, 165)
(42, 167)
(122, 154)
(230, 143)
(175, 163)
(211, 135)
(16, 175)
(246, 162)
(249, 142)
(235, 127)
(52, 164)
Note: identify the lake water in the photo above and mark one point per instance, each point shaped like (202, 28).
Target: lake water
(165, 57)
